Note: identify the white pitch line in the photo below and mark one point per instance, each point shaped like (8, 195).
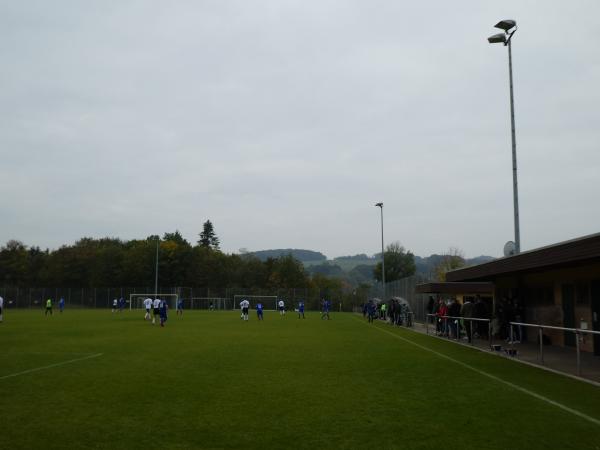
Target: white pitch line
(37, 369)
(495, 378)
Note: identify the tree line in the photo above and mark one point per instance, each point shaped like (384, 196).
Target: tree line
(109, 262)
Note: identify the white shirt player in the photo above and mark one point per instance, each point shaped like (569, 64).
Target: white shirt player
(157, 303)
(244, 305)
(1, 302)
(148, 303)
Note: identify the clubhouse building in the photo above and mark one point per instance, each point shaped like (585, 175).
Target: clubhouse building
(557, 285)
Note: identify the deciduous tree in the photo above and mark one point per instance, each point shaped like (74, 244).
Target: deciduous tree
(399, 263)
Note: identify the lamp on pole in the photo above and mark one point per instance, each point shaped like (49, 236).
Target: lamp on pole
(380, 204)
(510, 27)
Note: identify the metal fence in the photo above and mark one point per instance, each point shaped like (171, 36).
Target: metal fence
(516, 337)
(102, 297)
(405, 288)
(454, 327)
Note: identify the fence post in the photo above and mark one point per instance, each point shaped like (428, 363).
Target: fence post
(490, 333)
(578, 353)
(471, 329)
(541, 334)
(458, 326)
(427, 324)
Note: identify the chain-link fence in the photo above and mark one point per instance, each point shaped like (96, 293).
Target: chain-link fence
(196, 298)
(405, 288)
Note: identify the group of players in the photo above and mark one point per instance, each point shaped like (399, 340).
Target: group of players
(245, 306)
(159, 308)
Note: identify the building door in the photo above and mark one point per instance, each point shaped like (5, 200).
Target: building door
(568, 306)
(596, 315)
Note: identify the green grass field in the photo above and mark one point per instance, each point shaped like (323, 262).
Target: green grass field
(91, 379)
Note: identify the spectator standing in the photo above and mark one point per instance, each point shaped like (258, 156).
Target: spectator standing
(466, 311)
(454, 311)
(480, 312)
(430, 307)
(441, 315)
(371, 311)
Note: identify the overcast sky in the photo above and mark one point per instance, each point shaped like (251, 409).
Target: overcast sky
(283, 122)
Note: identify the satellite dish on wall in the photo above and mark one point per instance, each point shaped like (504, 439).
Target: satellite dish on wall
(510, 248)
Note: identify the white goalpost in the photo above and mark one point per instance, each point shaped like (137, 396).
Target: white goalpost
(269, 301)
(136, 301)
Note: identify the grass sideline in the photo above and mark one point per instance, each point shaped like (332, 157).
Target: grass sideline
(211, 381)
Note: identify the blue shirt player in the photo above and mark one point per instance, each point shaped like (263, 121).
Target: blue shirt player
(61, 304)
(326, 308)
(162, 310)
(179, 310)
(259, 311)
(301, 309)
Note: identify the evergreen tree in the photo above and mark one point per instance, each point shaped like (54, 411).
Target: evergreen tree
(208, 238)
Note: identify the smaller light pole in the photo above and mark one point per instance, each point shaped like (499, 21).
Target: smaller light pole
(156, 270)
(380, 205)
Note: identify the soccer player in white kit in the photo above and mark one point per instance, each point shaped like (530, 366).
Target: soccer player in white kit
(281, 305)
(148, 306)
(1, 306)
(244, 305)
(156, 311)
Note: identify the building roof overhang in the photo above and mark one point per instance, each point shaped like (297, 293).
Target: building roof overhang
(576, 252)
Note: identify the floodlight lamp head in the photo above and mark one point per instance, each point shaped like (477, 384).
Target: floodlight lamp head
(380, 204)
(499, 38)
(506, 24)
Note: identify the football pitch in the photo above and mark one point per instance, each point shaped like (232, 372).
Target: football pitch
(93, 379)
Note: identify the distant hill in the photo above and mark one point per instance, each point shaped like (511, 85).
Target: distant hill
(479, 260)
(299, 254)
(425, 266)
(355, 269)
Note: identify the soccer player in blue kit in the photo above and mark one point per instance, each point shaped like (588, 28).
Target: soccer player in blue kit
(163, 312)
(326, 308)
(259, 311)
(301, 309)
